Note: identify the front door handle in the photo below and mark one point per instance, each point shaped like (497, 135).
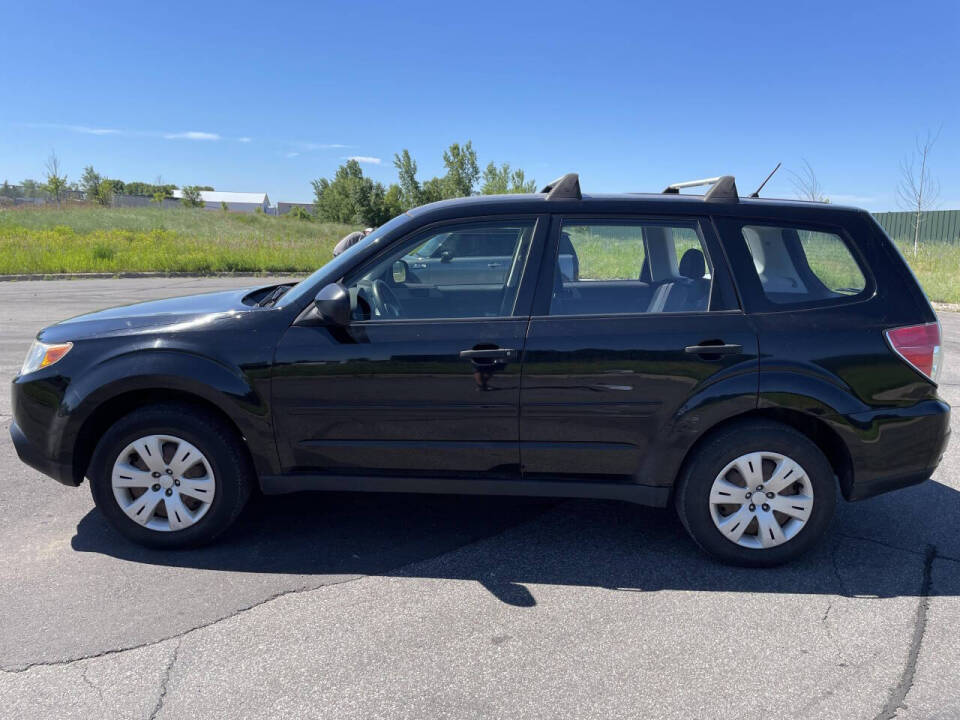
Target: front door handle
(489, 354)
(718, 349)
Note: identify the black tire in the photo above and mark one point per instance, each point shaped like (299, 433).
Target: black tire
(692, 495)
(218, 442)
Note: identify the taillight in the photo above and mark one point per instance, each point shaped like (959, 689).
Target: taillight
(920, 346)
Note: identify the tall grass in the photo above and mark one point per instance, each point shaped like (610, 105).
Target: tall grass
(94, 239)
(88, 239)
(937, 267)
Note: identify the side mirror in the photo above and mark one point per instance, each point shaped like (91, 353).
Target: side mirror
(399, 272)
(446, 256)
(333, 304)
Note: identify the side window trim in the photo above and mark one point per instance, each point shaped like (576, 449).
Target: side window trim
(724, 296)
(748, 283)
(522, 301)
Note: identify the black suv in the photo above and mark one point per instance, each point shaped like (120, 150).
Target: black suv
(741, 358)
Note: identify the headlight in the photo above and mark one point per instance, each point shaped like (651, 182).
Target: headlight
(43, 355)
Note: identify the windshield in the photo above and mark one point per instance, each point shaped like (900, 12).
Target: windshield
(341, 262)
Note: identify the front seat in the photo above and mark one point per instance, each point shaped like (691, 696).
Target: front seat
(687, 293)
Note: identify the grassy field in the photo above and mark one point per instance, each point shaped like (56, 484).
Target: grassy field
(94, 239)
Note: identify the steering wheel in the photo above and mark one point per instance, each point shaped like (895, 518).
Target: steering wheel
(385, 302)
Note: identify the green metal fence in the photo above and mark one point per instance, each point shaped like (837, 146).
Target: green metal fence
(935, 225)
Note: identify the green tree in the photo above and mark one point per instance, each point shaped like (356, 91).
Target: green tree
(224, 206)
(500, 181)
(32, 189)
(462, 170)
(148, 189)
(191, 197)
(158, 197)
(352, 198)
(392, 203)
(56, 182)
(10, 191)
(300, 213)
(411, 194)
(95, 187)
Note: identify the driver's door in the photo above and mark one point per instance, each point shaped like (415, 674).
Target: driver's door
(425, 380)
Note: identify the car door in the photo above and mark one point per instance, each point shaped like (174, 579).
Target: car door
(429, 390)
(619, 371)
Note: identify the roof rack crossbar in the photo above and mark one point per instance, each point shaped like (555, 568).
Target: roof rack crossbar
(723, 188)
(566, 187)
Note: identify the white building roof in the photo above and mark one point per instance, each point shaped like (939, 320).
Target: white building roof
(217, 196)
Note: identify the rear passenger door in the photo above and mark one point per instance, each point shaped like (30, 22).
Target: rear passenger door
(626, 363)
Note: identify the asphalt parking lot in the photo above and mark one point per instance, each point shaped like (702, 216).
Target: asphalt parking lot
(373, 606)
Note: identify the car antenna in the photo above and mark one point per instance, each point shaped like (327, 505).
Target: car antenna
(756, 193)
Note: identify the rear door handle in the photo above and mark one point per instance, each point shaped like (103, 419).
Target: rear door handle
(714, 349)
(489, 354)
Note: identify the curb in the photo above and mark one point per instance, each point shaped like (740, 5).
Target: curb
(134, 275)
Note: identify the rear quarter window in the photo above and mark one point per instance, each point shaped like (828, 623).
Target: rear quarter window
(797, 265)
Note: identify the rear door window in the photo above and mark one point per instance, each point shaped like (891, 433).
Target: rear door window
(630, 267)
(802, 266)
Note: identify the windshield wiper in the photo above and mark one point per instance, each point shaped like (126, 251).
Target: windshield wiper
(274, 295)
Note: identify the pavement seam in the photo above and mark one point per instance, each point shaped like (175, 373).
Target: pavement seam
(178, 636)
(276, 596)
(166, 680)
(898, 693)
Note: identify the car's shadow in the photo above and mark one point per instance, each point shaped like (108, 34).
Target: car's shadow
(877, 548)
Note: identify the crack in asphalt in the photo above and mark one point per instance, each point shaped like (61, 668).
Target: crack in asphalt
(841, 657)
(177, 636)
(921, 553)
(87, 681)
(836, 569)
(898, 693)
(166, 680)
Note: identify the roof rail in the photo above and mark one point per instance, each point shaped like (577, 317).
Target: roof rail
(723, 188)
(566, 187)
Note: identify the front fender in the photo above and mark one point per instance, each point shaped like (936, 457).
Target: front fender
(176, 371)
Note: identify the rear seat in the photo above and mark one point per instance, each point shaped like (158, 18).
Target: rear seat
(686, 293)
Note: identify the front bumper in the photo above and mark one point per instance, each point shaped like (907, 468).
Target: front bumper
(33, 456)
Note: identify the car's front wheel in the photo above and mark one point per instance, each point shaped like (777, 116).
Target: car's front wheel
(170, 476)
(757, 494)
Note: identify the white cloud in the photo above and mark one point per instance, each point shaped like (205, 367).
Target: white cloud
(192, 135)
(244, 139)
(364, 159)
(77, 128)
(93, 131)
(322, 146)
(292, 154)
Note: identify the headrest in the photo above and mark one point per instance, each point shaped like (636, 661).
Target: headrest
(692, 264)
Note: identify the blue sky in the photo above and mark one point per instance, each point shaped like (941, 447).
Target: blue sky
(633, 96)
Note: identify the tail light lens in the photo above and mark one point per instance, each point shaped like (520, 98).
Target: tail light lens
(920, 346)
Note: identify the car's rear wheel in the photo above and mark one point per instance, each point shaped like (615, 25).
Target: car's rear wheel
(757, 494)
(170, 476)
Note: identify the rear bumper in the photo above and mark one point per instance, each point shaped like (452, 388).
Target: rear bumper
(893, 448)
(33, 456)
